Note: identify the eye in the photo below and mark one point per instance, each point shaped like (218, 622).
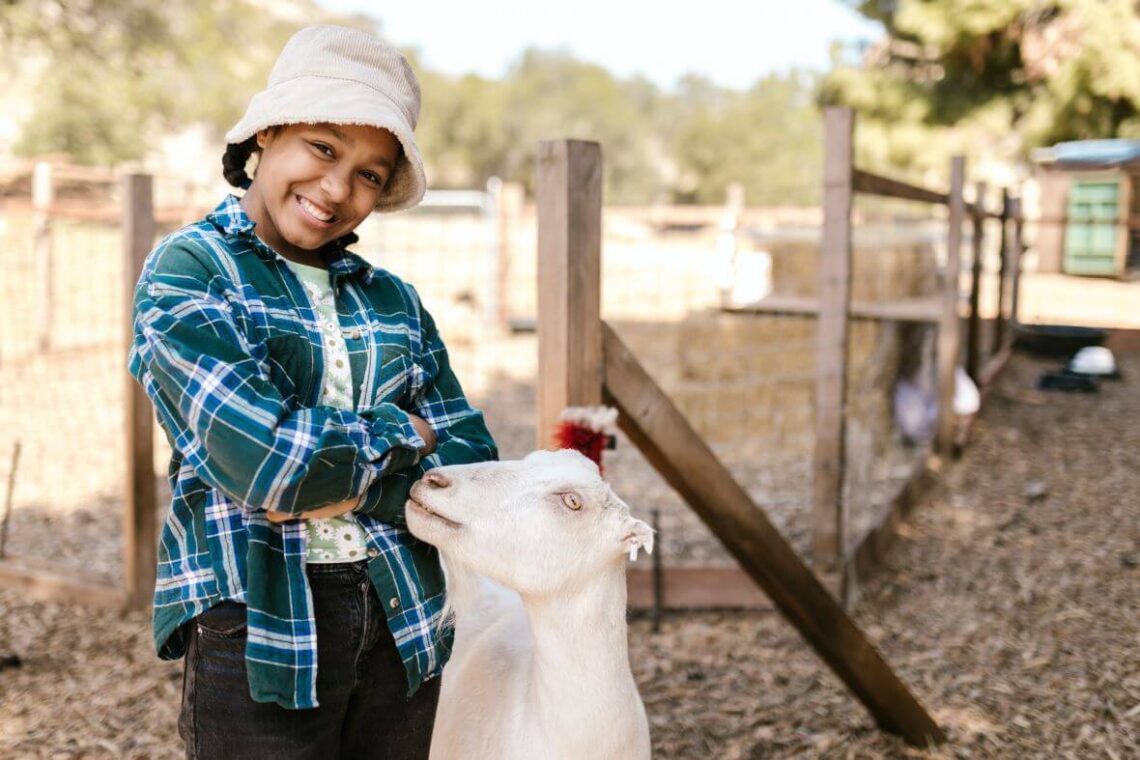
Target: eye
(571, 500)
(322, 148)
(372, 178)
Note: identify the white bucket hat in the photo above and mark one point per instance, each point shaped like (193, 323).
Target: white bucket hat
(338, 75)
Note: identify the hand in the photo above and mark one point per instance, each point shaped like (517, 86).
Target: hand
(329, 510)
(426, 432)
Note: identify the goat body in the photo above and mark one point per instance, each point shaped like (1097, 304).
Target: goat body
(540, 665)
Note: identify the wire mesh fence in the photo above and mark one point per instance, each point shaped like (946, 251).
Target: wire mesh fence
(679, 285)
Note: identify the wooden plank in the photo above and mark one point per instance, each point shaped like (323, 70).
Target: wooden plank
(926, 310)
(510, 207)
(873, 184)
(779, 304)
(569, 205)
(43, 196)
(829, 518)
(1016, 244)
(1001, 334)
(140, 531)
(974, 332)
(685, 461)
(697, 588)
(54, 587)
(948, 327)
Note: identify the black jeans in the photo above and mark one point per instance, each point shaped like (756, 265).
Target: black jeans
(361, 685)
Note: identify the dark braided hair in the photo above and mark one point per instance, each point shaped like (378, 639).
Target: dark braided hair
(236, 157)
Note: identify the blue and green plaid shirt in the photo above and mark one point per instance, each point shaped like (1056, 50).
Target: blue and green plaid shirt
(228, 348)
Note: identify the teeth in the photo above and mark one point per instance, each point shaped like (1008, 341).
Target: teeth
(314, 210)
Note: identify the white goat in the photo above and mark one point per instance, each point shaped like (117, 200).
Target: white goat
(541, 674)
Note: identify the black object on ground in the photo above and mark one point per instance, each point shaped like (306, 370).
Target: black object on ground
(1056, 340)
(1064, 380)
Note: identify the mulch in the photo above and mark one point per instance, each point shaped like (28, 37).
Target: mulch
(1008, 605)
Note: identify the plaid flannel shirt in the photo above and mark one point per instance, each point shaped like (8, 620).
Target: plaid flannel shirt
(227, 346)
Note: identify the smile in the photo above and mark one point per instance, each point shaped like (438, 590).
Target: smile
(433, 514)
(317, 216)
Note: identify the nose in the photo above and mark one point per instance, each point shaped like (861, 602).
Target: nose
(335, 187)
(437, 480)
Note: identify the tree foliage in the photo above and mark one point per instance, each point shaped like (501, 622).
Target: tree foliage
(118, 74)
(1007, 75)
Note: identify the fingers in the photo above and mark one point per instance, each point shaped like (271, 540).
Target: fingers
(329, 510)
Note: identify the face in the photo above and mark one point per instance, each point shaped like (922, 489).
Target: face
(544, 524)
(317, 182)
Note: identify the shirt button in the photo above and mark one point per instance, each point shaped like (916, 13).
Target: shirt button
(393, 602)
(339, 363)
(373, 552)
(355, 334)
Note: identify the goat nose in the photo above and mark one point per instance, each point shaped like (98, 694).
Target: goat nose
(437, 480)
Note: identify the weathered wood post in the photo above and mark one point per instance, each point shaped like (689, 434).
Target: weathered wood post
(512, 200)
(974, 333)
(1004, 271)
(1015, 260)
(43, 196)
(949, 326)
(140, 502)
(569, 204)
(829, 511)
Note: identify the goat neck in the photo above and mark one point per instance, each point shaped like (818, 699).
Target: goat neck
(581, 674)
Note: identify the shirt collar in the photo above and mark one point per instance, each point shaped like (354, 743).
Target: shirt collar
(231, 220)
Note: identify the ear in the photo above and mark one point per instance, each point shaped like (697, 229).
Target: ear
(264, 135)
(636, 535)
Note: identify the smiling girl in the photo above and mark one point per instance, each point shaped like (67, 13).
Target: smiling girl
(302, 391)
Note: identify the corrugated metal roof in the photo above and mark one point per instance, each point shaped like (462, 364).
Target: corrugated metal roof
(1093, 152)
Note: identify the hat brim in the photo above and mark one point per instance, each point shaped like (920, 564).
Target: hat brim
(327, 100)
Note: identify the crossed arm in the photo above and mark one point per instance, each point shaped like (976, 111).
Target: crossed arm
(341, 507)
(231, 424)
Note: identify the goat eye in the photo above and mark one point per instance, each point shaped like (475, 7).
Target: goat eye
(572, 501)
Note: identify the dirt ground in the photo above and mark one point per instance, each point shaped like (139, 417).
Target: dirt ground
(1009, 605)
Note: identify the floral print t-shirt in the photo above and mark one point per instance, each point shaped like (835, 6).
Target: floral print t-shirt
(335, 539)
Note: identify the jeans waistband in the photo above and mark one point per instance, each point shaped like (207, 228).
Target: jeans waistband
(358, 568)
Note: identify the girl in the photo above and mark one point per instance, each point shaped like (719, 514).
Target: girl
(302, 391)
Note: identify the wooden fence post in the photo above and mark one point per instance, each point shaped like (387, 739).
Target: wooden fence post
(512, 199)
(140, 503)
(1000, 332)
(829, 513)
(43, 196)
(949, 326)
(492, 214)
(569, 204)
(974, 333)
(1015, 260)
(728, 241)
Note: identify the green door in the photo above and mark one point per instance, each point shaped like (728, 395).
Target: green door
(1091, 232)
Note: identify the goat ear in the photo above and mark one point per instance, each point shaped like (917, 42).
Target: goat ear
(636, 535)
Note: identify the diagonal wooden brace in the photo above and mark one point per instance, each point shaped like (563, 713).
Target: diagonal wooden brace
(679, 454)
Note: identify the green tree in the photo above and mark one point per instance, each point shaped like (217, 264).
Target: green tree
(119, 73)
(1007, 75)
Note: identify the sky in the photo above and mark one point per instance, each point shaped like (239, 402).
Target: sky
(659, 40)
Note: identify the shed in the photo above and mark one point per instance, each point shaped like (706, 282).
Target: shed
(1090, 207)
